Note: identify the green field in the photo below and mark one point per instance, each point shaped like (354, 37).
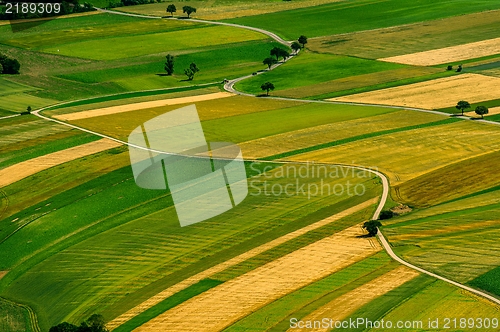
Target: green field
(82, 238)
(418, 37)
(309, 69)
(362, 15)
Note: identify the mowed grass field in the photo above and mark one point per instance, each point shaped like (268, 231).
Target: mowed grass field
(148, 220)
(86, 56)
(85, 239)
(361, 15)
(309, 69)
(412, 38)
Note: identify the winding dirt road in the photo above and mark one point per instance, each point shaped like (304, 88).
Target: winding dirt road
(229, 86)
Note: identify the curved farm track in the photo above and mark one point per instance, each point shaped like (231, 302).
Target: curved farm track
(229, 86)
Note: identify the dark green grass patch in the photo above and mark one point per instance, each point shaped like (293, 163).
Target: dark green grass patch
(378, 308)
(169, 303)
(229, 61)
(359, 137)
(34, 149)
(349, 16)
(490, 281)
(308, 69)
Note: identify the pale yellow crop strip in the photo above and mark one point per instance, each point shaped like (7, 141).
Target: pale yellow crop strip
(227, 303)
(141, 106)
(29, 167)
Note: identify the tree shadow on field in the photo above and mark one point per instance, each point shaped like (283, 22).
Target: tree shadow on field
(162, 75)
(365, 236)
(262, 95)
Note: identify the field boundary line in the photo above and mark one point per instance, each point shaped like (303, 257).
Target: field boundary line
(9, 116)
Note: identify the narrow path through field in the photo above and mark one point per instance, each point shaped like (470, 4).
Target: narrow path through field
(9, 116)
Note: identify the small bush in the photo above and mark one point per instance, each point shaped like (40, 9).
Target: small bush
(387, 214)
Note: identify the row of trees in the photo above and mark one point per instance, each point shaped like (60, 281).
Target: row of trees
(278, 52)
(186, 10)
(94, 323)
(189, 72)
(9, 65)
(462, 105)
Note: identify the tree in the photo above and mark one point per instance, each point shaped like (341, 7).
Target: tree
(28, 109)
(279, 52)
(284, 54)
(295, 47)
(169, 64)
(269, 61)
(303, 40)
(481, 110)
(64, 327)
(275, 52)
(193, 69)
(267, 86)
(9, 66)
(462, 105)
(386, 214)
(171, 9)
(96, 323)
(188, 10)
(372, 227)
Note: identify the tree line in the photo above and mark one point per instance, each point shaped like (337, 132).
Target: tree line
(94, 323)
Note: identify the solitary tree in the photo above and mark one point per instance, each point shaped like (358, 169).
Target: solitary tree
(269, 61)
(372, 227)
(267, 86)
(303, 40)
(462, 105)
(28, 109)
(295, 47)
(169, 64)
(193, 69)
(481, 110)
(9, 66)
(188, 10)
(171, 9)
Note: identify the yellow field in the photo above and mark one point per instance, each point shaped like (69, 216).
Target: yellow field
(232, 262)
(341, 307)
(449, 54)
(141, 106)
(26, 168)
(331, 132)
(225, 304)
(394, 154)
(434, 94)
